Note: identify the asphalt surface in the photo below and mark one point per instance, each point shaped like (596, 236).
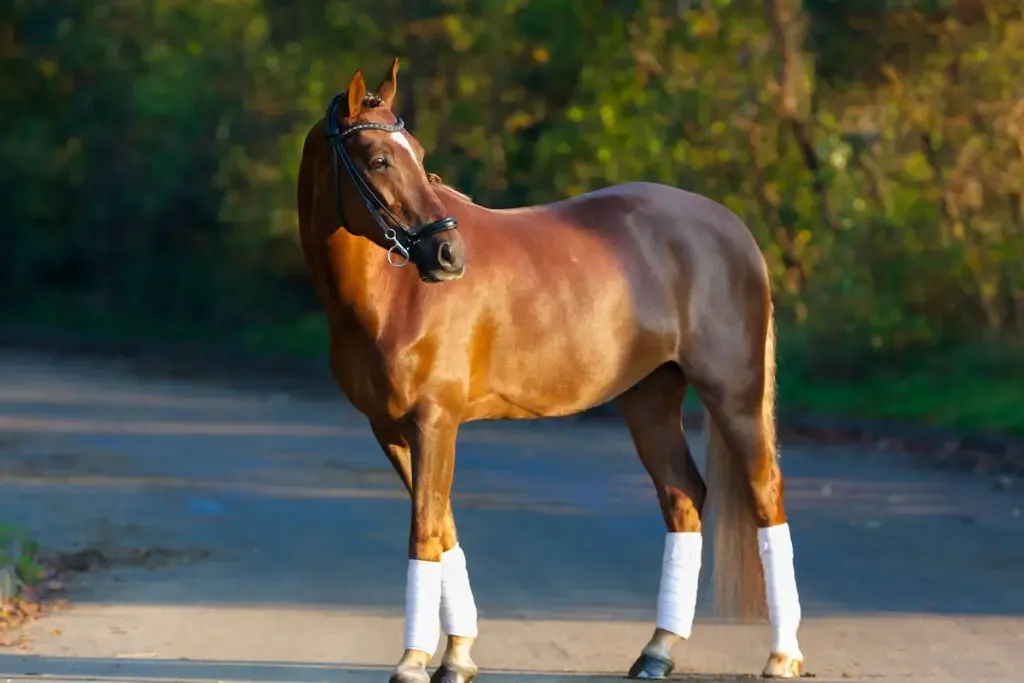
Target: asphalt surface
(273, 537)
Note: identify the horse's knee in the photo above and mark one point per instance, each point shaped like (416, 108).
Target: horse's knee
(767, 487)
(427, 548)
(683, 508)
(427, 534)
(432, 534)
(449, 537)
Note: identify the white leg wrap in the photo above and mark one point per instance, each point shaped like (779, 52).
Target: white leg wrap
(422, 602)
(776, 549)
(677, 594)
(458, 609)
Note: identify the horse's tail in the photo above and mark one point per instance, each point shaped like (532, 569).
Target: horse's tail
(739, 578)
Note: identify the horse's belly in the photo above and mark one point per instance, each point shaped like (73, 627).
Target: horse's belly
(566, 372)
(581, 331)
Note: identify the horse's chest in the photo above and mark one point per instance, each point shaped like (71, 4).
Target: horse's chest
(361, 379)
(373, 380)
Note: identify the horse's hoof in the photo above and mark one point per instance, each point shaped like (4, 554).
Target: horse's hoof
(412, 674)
(650, 667)
(453, 673)
(783, 666)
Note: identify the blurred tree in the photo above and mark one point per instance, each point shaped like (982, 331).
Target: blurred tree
(876, 149)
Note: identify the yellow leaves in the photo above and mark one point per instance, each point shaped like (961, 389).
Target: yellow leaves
(518, 121)
(915, 166)
(735, 204)
(770, 191)
(979, 56)
(1013, 123)
(541, 55)
(838, 159)
(453, 25)
(467, 84)
(890, 72)
(704, 24)
(512, 6)
(971, 151)
(47, 67)
(460, 35)
(256, 30)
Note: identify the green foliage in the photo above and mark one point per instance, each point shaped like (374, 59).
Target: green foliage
(875, 149)
(975, 388)
(21, 553)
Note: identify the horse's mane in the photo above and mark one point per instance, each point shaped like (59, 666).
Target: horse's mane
(436, 180)
(372, 100)
(458, 192)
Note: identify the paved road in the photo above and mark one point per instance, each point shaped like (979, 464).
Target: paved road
(276, 535)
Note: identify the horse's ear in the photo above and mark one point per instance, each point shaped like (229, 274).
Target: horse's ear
(389, 86)
(356, 93)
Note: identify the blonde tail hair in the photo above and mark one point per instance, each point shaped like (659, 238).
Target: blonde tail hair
(738, 575)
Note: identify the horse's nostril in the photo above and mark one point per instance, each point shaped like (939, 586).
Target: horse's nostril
(444, 254)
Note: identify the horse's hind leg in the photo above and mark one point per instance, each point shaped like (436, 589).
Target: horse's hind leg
(653, 411)
(745, 491)
(458, 607)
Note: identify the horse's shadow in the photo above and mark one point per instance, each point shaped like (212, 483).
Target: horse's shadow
(76, 669)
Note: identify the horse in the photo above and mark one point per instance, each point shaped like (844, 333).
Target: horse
(632, 293)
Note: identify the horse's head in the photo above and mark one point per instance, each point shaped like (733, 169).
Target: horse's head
(383, 192)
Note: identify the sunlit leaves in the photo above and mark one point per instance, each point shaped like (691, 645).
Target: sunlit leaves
(905, 226)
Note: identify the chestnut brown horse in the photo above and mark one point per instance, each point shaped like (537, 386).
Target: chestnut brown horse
(634, 293)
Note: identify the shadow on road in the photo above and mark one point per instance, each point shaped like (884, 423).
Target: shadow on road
(269, 500)
(74, 669)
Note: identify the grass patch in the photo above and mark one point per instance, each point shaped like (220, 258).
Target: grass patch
(977, 388)
(20, 554)
(26, 584)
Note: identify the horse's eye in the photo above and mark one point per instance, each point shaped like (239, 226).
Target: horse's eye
(378, 163)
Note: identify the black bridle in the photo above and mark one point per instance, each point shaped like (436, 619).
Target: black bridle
(401, 236)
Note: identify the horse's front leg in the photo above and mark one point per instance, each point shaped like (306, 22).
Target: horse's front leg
(458, 607)
(437, 579)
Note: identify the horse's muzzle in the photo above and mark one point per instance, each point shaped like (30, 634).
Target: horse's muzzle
(442, 256)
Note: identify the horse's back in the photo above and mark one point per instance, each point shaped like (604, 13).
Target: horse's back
(675, 211)
(683, 239)
(601, 287)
